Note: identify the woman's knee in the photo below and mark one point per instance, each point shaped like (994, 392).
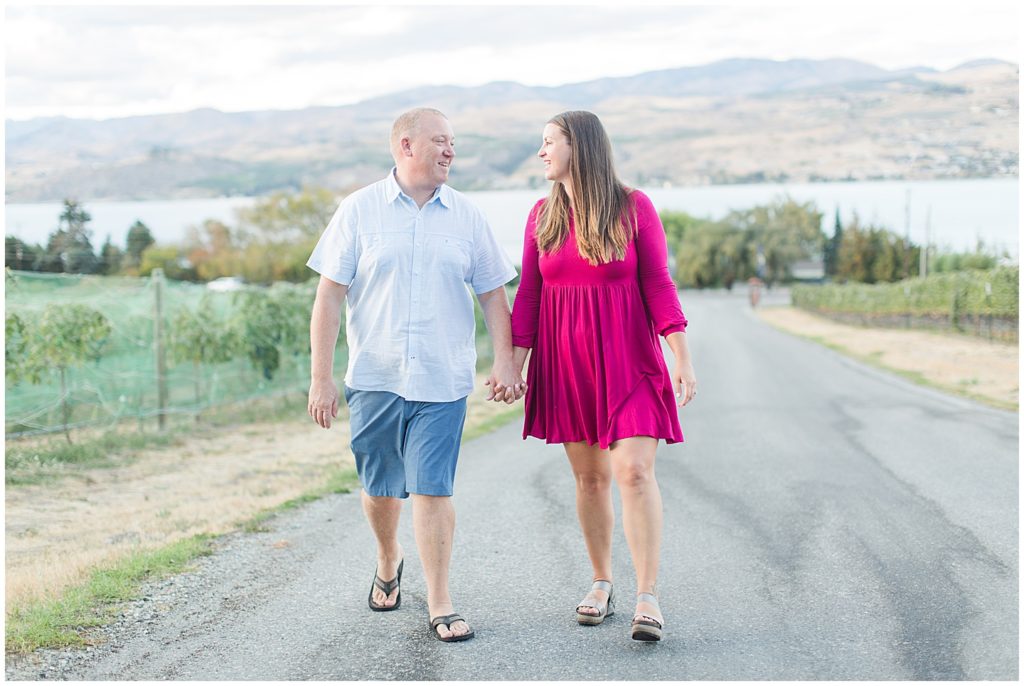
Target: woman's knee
(593, 482)
(634, 475)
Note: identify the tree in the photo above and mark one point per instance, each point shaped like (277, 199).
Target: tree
(874, 254)
(284, 217)
(20, 255)
(201, 337)
(856, 254)
(980, 258)
(886, 265)
(16, 362)
(70, 246)
(139, 238)
(212, 250)
(168, 258)
(701, 260)
(110, 258)
(784, 232)
(832, 247)
(65, 337)
(272, 323)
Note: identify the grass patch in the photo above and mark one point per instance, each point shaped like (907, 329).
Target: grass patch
(59, 622)
(492, 423)
(282, 408)
(341, 480)
(37, 461)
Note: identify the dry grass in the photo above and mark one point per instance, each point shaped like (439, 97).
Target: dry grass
(58, 531)
(968, 366)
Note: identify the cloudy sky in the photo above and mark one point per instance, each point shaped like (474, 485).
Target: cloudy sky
(112, 61)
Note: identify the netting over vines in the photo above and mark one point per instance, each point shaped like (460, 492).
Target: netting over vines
(81, 350)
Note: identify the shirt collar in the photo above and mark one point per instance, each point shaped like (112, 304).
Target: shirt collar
(443, 194)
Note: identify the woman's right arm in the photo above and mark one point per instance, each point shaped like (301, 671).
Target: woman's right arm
(526, 309)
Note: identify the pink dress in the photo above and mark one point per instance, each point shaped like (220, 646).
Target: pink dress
(597, 373)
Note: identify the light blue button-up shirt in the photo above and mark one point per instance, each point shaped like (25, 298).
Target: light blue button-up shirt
(409, 318)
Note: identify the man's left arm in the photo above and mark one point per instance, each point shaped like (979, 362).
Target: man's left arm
(506, 383)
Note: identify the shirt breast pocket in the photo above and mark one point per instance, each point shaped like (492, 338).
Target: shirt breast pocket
(449, 255)
(385, 251)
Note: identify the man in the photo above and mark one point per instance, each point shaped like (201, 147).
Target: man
(402, 251)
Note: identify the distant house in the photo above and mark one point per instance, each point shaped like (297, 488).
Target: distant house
(812, 271)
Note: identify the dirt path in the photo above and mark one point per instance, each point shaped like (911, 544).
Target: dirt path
(58, 531)
(972, 367)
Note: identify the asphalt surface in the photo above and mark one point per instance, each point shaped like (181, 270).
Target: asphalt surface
(823, 520)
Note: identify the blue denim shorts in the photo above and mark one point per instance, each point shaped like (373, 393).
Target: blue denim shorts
(403, 446)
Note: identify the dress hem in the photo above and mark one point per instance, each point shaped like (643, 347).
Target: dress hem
(552, 441)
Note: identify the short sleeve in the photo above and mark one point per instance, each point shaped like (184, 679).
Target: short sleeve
(336, 254)
(491, 266)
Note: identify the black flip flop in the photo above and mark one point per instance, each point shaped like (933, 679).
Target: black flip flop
(387, 587)
(448, 620)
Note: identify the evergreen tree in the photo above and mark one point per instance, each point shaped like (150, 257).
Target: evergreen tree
(110, 258)
(20, 255)
(832, 247)
(69, 248)
(139, 238)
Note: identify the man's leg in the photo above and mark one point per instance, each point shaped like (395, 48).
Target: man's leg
(376, 423)
(433, 521)
(431, 452)
(383, 514)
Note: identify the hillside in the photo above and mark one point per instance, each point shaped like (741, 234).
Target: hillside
(739, 120)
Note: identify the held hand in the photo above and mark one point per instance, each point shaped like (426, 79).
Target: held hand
(684, 382)
(323, 402)
(506, 385)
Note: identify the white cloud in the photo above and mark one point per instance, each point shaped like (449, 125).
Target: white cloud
(115, 61)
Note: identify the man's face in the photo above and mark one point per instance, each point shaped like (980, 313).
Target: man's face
(433, 148)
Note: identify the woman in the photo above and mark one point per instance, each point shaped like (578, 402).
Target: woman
(594, 295)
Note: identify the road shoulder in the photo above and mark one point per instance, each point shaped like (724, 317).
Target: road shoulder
(965, 366)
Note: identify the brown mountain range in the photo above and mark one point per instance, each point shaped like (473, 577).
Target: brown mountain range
(732, 121)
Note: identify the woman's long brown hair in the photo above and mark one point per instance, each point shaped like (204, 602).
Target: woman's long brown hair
(600, 200)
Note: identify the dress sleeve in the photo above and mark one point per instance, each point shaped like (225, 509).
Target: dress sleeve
(526, 308)
(656, 285)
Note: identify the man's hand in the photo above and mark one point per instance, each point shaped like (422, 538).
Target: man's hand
(323, 402)
(506, 384)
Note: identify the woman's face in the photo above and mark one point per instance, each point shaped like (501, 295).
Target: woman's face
(555, 152)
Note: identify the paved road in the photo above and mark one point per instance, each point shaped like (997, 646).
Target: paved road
(823, 521)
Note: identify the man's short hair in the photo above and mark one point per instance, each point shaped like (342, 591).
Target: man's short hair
(407, 124)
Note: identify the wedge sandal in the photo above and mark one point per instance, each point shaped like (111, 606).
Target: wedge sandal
(645, 627)
(604, 609)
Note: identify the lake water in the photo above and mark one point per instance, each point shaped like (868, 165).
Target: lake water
(955, 213)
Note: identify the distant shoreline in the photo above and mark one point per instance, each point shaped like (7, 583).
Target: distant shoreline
(957, 211)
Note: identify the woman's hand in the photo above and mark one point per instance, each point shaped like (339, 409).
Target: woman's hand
(684, 382)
